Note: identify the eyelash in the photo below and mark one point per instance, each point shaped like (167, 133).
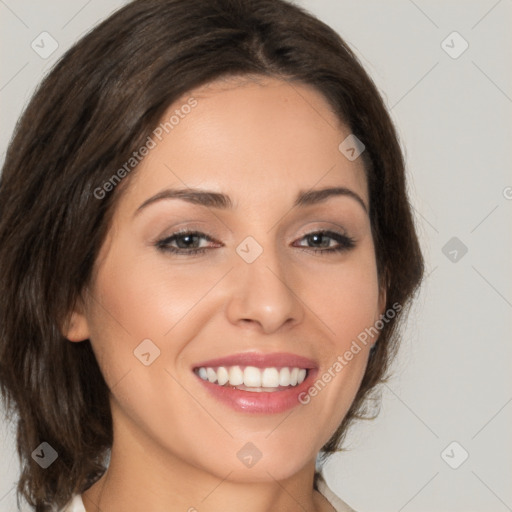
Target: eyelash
(345, 243)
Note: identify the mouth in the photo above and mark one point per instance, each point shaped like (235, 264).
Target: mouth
(257, 383)
(253, 379)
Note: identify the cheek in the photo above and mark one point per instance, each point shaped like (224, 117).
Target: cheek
(146, 296)
(346, 297)
(346, 302)
(141, 295)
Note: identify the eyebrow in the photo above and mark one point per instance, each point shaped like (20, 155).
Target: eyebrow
(218, 200)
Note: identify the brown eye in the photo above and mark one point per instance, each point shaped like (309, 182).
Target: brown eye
(321, 241)
(184, 242)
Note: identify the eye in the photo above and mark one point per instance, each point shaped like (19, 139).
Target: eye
(192, 242)
(185, 242)
(322, 242)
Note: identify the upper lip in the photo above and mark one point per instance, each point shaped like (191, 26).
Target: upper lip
(260, 360)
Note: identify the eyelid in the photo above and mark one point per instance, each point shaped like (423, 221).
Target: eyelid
(184, 232)
(344, 242)
(323, 226)
(186, 227)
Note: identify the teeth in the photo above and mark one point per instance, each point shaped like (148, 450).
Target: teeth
(252, 377)
(270, 378)
(236, 376)
(258, 379)
(222, 376)
(211, 374)
(284, 377)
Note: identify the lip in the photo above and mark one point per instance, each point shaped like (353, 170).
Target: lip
(260, 402)
(259, 360)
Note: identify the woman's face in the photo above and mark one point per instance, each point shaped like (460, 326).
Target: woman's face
(275, 276)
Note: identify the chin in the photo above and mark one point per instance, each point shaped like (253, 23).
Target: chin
(250, 464)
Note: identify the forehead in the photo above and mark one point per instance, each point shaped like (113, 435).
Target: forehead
(260, 138)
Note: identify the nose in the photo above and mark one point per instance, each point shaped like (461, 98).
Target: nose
(265, 295)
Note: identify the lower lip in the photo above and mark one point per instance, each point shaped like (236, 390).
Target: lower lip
(263, 402)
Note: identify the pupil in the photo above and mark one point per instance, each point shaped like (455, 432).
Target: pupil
(186, 241)
(318, 239)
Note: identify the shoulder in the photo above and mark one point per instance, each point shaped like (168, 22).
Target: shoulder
(338, 504)
(74, 505)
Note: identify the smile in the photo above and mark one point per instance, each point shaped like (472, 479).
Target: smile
(251, 378)
(257, 383)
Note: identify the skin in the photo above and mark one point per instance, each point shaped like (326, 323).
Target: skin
(175, 446)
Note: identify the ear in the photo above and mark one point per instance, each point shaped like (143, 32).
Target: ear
(76, 327)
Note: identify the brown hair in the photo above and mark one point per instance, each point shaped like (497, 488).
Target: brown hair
(97, 106)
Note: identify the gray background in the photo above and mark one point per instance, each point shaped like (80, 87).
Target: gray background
(452, 381)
